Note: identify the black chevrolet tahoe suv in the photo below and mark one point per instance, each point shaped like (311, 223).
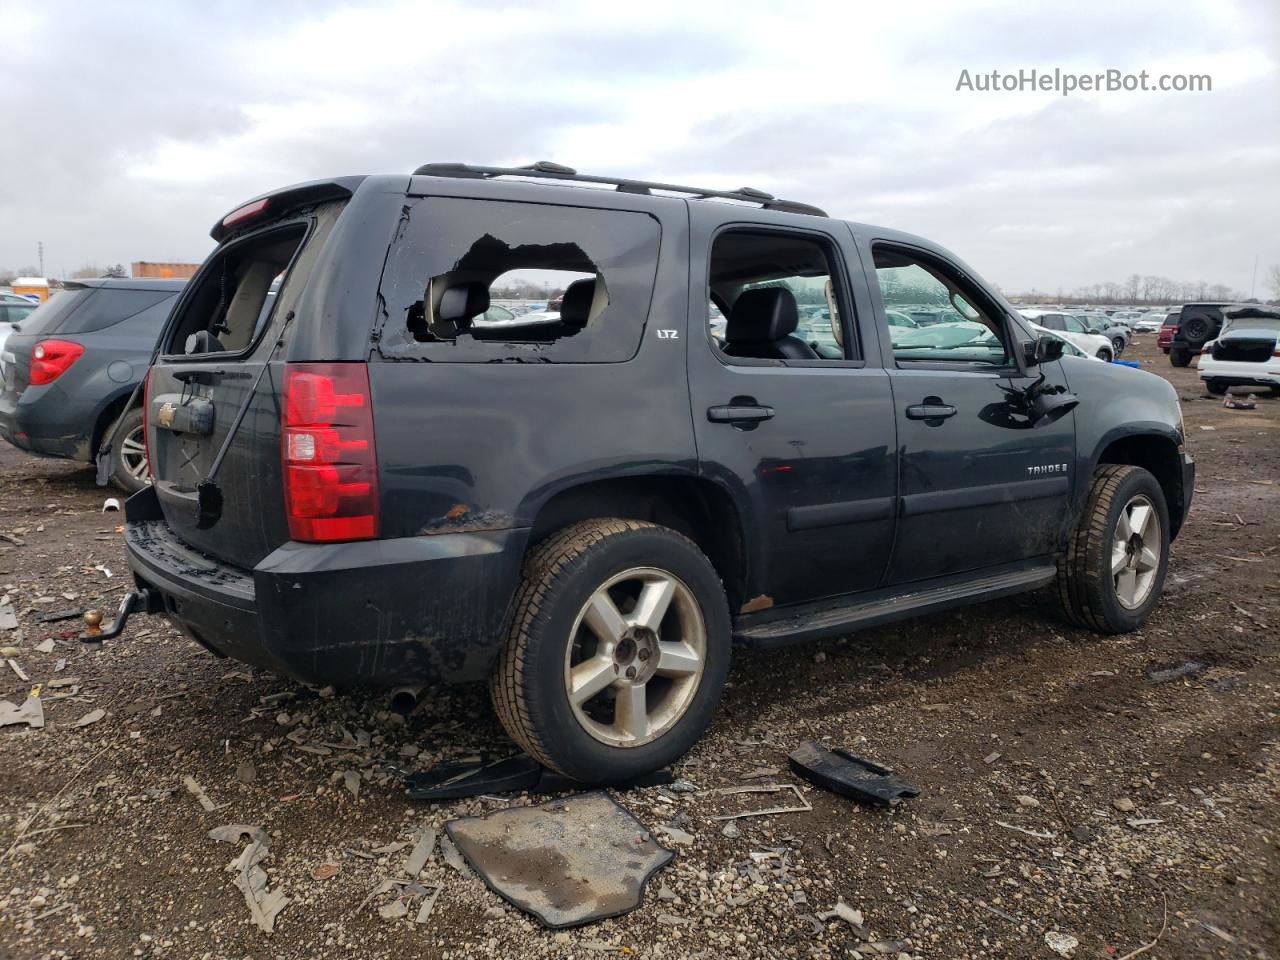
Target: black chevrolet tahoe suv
(588, 507)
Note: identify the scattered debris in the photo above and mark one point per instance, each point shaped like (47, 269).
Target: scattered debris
(1063, 944)
(45, 646)
(1038, 834)
(1025, 800)
(251, 879)
(326, 871)
(421, 852)
(428, 903)
(197, 791)
(8, 619)
(451, 855)
(675, 834)
(849, 776)
(246, 772)
(803, 807)
(845, 913)
(31, 712)
(567, 862)
(16, 668)
(1164, 925)
(1124, 804)
(990, 758)
(93, 716)
(111, 503)
(473, 777)
(1174, 671)
(760, 773)
(1136, 822)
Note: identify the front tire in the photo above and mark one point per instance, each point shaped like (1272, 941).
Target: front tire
(1179, 357)
(1216, 387)
(1113, 572)
(1104, 355)
(618, 651)
(129, 454)
(1118, 344)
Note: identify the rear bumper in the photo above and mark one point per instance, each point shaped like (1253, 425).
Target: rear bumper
(1240, 372)
(378, 612)
(23, 424)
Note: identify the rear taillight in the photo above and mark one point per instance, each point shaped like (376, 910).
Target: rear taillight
(51, 358)
(330, 463)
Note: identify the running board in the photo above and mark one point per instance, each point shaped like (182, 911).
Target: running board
(815, 621)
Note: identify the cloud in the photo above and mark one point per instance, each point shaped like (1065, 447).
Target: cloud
(141, 128)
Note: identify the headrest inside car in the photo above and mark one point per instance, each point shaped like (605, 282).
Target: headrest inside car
(762, 316)
(575, 306)
(459, 304)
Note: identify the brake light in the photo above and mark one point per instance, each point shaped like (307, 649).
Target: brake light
(248, 211)
(51, 358)
(330, 462)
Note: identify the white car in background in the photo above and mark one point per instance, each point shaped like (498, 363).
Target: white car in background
(1150, 322)
(1068, 328)
(1068, 348)
(1246, 352)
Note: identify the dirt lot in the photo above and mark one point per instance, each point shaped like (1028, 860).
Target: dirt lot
(1064, 790)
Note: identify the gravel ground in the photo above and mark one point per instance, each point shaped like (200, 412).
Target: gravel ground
(1067, 796)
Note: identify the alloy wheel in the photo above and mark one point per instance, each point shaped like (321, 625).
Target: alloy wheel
(1135, 552)
(637, 654)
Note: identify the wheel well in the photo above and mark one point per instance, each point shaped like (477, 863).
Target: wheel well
(1159, 457)
(701, 510)
(110, 413)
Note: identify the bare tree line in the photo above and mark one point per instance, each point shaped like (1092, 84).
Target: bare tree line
(1139, 290)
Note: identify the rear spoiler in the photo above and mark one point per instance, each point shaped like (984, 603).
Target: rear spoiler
(280, 201)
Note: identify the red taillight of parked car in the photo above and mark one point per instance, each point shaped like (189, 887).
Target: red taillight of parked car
(330, 463)
(51, 358)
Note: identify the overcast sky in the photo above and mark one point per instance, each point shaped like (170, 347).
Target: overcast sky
(131, 130)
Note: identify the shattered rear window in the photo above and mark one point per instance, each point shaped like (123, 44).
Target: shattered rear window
(479, 281)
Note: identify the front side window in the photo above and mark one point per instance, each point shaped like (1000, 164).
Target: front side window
(951, 328)
(476, 281)
(773, 296)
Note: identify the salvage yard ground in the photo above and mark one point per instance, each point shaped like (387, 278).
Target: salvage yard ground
(1071, 791)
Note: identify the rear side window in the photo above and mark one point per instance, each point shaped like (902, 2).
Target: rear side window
(227, 309)
(108, 307)
(574, 284)
(49, 316)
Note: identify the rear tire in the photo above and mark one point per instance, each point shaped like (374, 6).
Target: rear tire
(1216, 387)
(580, 645)
(1118, 344)
(1179, 357)
(1104, 355)
(129, 453)
(1110, 580)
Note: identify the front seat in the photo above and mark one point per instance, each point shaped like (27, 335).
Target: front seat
(760, 325)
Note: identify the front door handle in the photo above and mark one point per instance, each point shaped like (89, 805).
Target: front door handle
(932, 409)
(739, 413)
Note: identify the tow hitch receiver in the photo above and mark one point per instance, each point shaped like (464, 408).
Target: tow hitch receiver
(134, 601)
(841, 772)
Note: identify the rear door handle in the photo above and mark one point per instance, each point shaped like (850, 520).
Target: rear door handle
(930, 411)
(739, 413)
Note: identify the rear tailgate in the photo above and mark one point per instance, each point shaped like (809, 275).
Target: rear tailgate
(231, 323)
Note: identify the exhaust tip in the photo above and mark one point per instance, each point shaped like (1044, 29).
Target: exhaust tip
(404, 700)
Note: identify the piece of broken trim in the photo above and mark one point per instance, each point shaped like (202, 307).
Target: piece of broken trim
(849, 776)
(458, 779)
(768, 811)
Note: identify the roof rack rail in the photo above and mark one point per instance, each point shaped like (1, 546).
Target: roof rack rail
(545, 169)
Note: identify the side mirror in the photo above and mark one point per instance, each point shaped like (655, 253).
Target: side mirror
(1043, 350)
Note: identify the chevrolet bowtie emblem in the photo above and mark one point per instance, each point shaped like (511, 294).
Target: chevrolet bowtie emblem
(166, 414)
